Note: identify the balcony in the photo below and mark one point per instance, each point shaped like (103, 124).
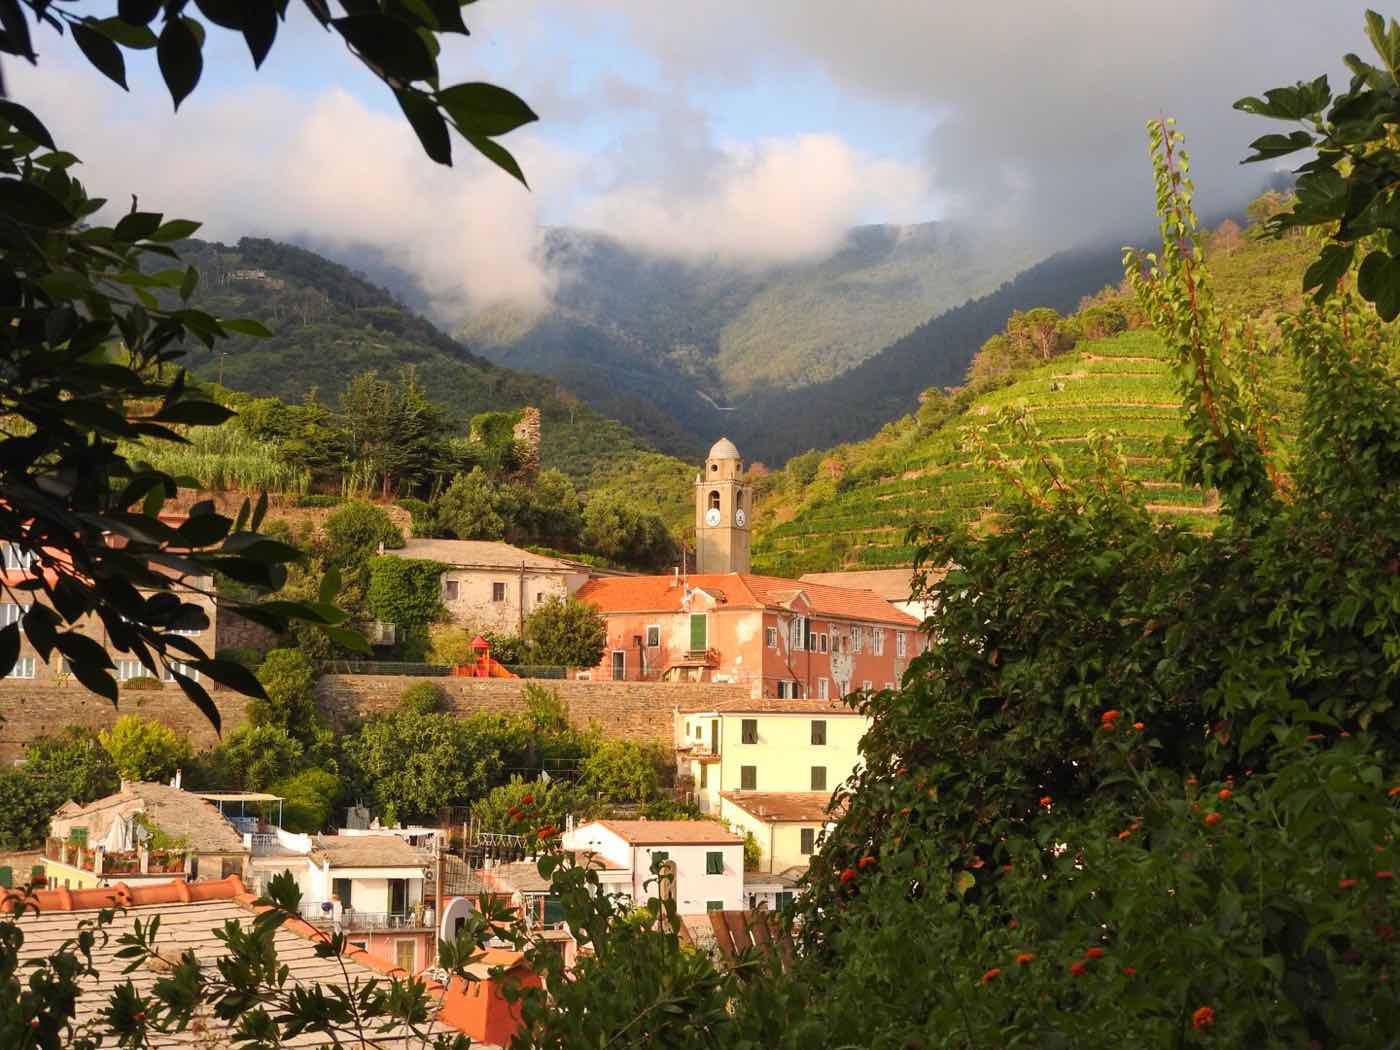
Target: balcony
(100, 862)
(352, 920)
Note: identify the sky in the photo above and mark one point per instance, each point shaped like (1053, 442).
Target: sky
(751, 131)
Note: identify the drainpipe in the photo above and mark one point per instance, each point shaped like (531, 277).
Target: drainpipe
(520, 631)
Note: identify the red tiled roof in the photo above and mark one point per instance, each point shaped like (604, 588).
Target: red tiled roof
(741, 591)
(670, 832)
(783, 807)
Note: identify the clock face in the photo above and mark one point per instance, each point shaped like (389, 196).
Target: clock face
(739, 518)
(712, 517)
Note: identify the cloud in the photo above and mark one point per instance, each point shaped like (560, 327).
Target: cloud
(264, 161)
(774, 201)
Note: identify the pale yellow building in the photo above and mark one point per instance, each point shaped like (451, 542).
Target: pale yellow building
(785, 824)
(768, 745)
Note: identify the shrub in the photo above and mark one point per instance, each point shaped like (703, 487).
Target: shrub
(354, 533)
(310, 798)
(566, 632)
(144, 750)
(143, 683)
(405, 591)
(319, 499)
(423, 519)
(621, 771)
(450, 644)
(289, 679)
(424, 698)
(242, 654)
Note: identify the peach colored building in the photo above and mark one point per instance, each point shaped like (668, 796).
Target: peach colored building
(782, 638)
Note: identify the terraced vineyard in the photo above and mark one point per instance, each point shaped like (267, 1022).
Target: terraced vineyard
(1122, 385)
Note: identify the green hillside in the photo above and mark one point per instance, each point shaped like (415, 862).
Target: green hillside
(329, 324)
(852, 506)
(679, 349)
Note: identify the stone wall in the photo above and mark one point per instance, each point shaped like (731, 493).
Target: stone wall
(30, 710)
(641, 711)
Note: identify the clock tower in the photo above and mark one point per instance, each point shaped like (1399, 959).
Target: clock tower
(723, 512)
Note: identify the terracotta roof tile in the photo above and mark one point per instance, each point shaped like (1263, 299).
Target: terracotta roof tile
(672, 832)
(783, 807)
(741, 591)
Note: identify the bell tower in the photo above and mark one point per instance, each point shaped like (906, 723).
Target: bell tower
(723, 512)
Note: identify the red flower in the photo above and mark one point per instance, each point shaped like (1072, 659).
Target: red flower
(1203, 1018)
(1094, 953)
(1139, 726)
(848, 875)
(1224, 793)
(1024, 959)
(1394, 791)
(1046, 801)
(1191, 781)
(527, 800)
(1130, 971)
(1109, 717)
(1345, 884)
(993, 972)
(1387, 874)
(1213, 819)
(1124, 833)
(866, 862)
(1078, 969)
(548, 831)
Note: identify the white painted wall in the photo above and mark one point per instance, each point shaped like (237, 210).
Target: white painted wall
(695, 888)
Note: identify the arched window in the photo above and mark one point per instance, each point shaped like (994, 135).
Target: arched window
(739, 499)
(714, 500)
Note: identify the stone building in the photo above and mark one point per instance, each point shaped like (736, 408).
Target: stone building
(723, 512)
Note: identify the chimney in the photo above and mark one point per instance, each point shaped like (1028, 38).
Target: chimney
(179, 775)
(676, 579)
(380, 549)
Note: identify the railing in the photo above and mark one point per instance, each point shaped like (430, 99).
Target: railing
(354, 919)
(264, 841)
(100, 862)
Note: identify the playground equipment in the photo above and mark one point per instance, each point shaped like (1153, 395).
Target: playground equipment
(483, 666)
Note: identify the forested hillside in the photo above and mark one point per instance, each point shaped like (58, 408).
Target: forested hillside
(671, 346)
(329, 324)
(853, 505)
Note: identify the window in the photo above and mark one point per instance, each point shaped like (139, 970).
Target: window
(699, 633)
(704, 774)
(17, 559)
(699, 731)
(821, 642)
(619, 664)
(748, 731)
(653, 636)
(782, 690)
(403, 955)
(10, 613)
(498, 592)
(714, 862)
(889, 685)
(714, 500)
(819, 778)
(819, 730)
(901, 644)
(784, 899)
(129, 669)
(187, 631)
(858, 638)
(867, 685)
(449, 590)
(795, 691)
(797, 634)
(748, 778)
(167, 674)
(823, 689)
(714, 905)
(809, 841)
(540, 597)
(23, 668)
(879, 634)
(770, 635)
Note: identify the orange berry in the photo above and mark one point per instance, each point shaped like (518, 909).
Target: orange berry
(848, 875)
(548, 831)
(1130, 971)
(1024, 959)
(1212, 819)
(1345, 884)
(1203, 1017)
(993, 972)
(1125, 833)
(1078, 969)
(527, 800)
(1046, 801)
(1094, 953)
(866, 862)
(1387, 874)
(1224, 793)
(1139, 726)
(1110, 716)
(1394, 791)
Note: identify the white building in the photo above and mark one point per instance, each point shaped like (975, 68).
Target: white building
(709, 858)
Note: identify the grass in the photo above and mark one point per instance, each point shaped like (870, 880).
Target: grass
(222, 459)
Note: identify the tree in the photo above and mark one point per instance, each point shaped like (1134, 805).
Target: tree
(1349, 188)
(309, 799)
(566, 632)
(72, 763)
(289, 681)
(354, 533)
(520, 806)
(617, 529)
(257, 755)
(424, 698)
(468, 509)
(621, 771)
(144, 750)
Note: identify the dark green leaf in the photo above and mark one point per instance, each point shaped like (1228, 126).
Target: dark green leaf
(389, 44)
(194, 413)
(347, 639)
(260, 29)
(138, 12)
(181, 63)
(227, 13)
(1268, 147)
(259, 512)
(1378, 281)
(427, 124)
(498, 155)
(25, 122)
(197, 694)
(96, 680)
(136, 37)
(9, 646)
(26, 203)
(1331, 264)
(484, 109)
(16, 38)
(188, 283)
(136, 225)
(175, 230)
(246, 326)
(330, 585)
(204, 530)
(234, 675)
(81, 649)
(98, 49)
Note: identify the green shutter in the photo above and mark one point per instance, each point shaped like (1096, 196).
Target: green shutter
(7, 877)
(714, 863)
(78, 836)
(698, 634)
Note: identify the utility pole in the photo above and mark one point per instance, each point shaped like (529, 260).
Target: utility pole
(222, 354)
